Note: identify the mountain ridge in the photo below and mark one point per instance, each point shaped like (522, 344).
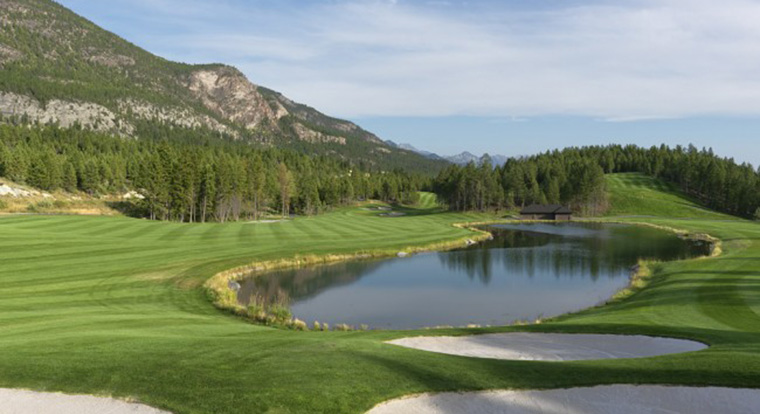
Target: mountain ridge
(462, 158)
(57, 67)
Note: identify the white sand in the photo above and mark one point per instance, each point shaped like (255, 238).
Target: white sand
(611, 399)
(550, 347)
(31, 402)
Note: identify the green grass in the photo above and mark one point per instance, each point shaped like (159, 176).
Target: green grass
(113, 306)
(638, 194)
(428, 201)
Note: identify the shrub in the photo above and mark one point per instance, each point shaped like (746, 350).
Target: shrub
(39, 206)
(44, 204)
(255, 305)
(3, 205)
(342, 327)
(757, 214)
(256, 310)
(299, 325)
(325, 326)
(317, 326)
(280, 313)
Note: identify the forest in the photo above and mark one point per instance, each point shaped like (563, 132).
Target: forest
(196, 175)
(195, 178)
(575, 177)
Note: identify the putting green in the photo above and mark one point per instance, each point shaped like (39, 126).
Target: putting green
(114, 306)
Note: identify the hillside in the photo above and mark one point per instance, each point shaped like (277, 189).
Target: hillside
(634, 194)
(60, 68)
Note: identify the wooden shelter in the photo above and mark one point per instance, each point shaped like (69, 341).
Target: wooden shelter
(546, 212)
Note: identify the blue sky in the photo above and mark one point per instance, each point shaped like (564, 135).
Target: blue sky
(511, 77)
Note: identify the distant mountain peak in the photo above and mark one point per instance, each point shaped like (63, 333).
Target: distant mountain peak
(467, 157)
(463, 158)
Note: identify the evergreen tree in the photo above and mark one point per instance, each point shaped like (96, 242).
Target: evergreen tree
(285, 181)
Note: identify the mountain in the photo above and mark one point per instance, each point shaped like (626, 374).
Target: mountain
(59, 68)
(464, 158)
(467, 157)
(410, 147)
(499, 159)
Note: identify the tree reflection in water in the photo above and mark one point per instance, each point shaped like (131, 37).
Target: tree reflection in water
(527, 270)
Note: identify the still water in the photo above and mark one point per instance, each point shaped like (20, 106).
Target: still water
(527, 271)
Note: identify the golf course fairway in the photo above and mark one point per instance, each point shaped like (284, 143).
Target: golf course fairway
(114, 306)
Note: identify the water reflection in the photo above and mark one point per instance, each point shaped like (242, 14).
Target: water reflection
(295, 285)
(527, 270)
(566, 250)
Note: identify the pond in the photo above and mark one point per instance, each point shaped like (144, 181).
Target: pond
(527, 271)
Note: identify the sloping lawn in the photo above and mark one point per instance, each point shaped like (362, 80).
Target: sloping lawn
(638, 194)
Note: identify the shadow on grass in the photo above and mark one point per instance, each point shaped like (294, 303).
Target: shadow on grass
(429, 372)
(411, 211)
(127, 208)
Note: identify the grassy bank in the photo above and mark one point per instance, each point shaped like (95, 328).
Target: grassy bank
(638, 194)
(116, 306)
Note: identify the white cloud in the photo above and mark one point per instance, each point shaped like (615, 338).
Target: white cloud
(641, 59)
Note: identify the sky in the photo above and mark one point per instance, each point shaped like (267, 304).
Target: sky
(510, 77)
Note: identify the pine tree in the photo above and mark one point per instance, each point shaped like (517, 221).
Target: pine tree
(284, 179)
(207, 191)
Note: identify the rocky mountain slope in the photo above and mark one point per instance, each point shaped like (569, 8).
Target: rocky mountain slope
(59, 68)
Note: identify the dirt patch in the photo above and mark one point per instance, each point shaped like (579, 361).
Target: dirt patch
(393, 214)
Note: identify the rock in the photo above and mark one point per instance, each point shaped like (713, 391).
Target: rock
(309, 135)
(64, 113)
(402, 254)
(228, 93)
(6, 190)
(132, 194)
(233, 285)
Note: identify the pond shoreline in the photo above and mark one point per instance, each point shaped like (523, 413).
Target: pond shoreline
(220, 287)
(223, 297)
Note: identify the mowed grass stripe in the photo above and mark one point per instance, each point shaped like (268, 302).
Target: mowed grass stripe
(144, 230)
(247, 232)
(124, 315)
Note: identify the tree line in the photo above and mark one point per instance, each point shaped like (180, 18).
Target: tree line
(559, 178)
(197, 176)
(194, 179)
(575, 177)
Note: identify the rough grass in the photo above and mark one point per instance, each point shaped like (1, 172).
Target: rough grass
(56, 202)
(115, 306)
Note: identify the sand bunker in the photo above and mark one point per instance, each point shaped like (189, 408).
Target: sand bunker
(550, 347)
(612, 399)
(27, 402)
(393, 214)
